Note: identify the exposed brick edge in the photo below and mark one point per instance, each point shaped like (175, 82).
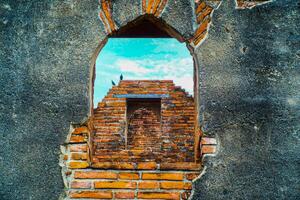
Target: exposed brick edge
(74, 152)
(105, 15)
(208, 146)
(246, 4)
(203, 13)
(146, 181)
(154, 7)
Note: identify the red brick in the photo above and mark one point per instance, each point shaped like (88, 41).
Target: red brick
(159, 195)
(79, 156)
(78, 165)
(200, 7)
(185, 195)
(95, 175)
(207, 140)
(124, 195)
(148, 185)
(91, 194)
(113, 165)
(208, 149)
(77, 139)
(129, 176)
(147, 165)
(191, 176)
(162, 176)
(115, 185)
(66, 157)
(80, 130)
(78, 148)
(181, 166)
(81, 184)
(206, 12)
(170, 185)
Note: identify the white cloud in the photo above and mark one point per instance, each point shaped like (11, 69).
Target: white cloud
(132, 66)
(178, 70)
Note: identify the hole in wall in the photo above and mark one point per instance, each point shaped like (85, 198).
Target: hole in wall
(142, 59)
(159, 116)
(130, 58)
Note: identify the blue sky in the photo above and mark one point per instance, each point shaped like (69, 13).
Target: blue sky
(140, 59)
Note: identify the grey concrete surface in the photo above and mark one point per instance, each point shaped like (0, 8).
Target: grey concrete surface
(249, 87)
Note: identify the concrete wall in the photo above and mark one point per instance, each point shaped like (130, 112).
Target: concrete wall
(249, 80)
(250, 101)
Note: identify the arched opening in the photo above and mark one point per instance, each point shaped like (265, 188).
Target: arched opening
(140, 123)
(113, 134)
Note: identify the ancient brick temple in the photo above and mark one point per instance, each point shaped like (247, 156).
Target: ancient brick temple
(143, 121)
(139, 144)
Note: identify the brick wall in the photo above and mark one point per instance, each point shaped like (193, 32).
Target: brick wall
(135, 148)
(147, 180)
(168, 137)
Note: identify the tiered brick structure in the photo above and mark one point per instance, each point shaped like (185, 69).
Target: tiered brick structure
(142, 121)
(139, 144)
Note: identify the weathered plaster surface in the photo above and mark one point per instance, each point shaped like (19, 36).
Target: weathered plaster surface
(45, 53)
(249, 88)
(249, 93)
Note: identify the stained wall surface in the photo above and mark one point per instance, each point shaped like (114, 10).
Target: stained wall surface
(249, 87)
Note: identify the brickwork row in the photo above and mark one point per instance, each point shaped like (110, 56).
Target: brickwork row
(145, 181)
(131, 184)
(148, 180)
(126, 136)
(167, 138)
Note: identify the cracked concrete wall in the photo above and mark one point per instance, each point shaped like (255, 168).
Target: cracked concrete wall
(249, 87)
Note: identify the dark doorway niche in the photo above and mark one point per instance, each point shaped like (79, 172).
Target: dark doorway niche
(146, 27)
(144, 124)
(153, 104)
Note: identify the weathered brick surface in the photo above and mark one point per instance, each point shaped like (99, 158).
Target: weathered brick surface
(147, 165)
(159, 195)
(95, 175)
(91, 194)
(146, 130)
(124, 195)
(115, 185)
(154, 7)
(208, 145)
(175, 185)
(242, 4)
(81, 184)
(155, 161)
(148, 185)
(78, 164)
(106, 16)
(129, 176)
(162, 176)
(203, 18)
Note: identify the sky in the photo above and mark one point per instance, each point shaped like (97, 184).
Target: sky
(142, 59)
